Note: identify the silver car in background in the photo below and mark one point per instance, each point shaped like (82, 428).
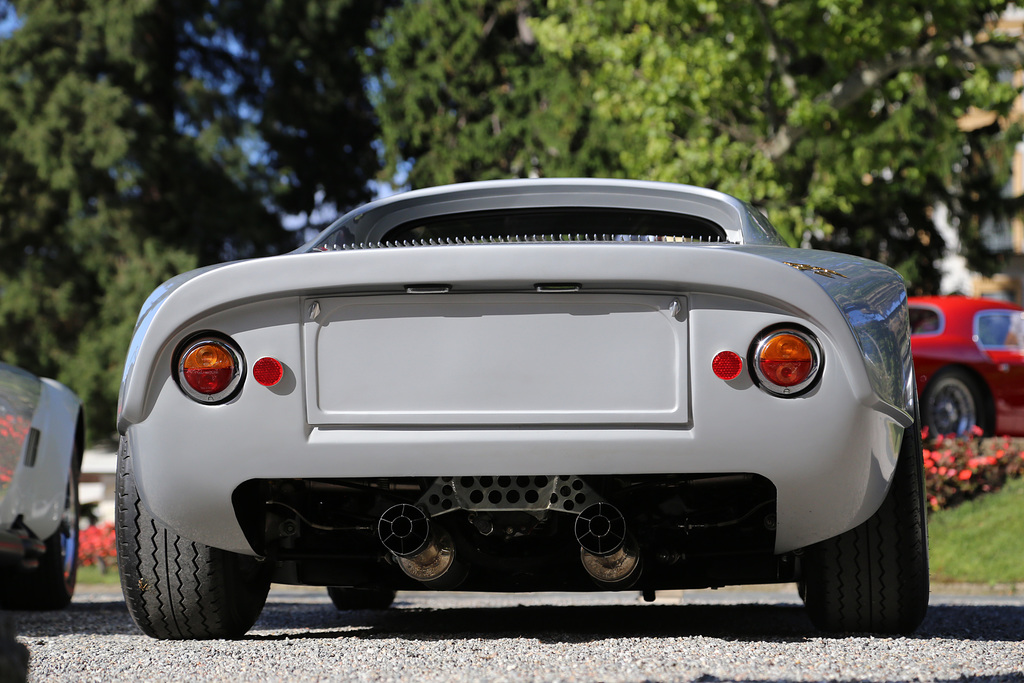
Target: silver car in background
(41, 445)
(527, 385)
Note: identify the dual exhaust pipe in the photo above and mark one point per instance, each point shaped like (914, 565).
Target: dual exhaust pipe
(426, 552)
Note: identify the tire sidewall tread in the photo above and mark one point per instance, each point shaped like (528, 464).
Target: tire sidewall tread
(176, 588)
(874, 578)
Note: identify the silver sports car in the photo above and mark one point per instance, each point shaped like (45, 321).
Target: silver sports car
(529, 385)
(41, 441)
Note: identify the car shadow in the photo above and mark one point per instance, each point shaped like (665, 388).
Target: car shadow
(585, 623)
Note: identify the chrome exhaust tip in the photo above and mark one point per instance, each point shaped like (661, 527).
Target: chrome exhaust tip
(601, 529)
(607, 551)
(423, 551)
(404, 530)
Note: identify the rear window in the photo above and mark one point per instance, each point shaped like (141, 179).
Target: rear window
(562, 225)
(999, 329)
(925, 321)
(541, 225)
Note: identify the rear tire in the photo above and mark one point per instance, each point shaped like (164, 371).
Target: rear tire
(176, 588)
(361, 598)
(50, 585)
(874, 578)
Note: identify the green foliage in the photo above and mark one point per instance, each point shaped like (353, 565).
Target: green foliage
(141, 139)
(462, 91)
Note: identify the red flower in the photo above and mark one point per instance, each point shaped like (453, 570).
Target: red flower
(97, 544)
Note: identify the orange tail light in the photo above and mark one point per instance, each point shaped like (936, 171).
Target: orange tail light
(209, 370)
(787, 361)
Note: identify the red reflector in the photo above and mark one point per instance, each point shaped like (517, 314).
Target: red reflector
(727, 365)
(267, 371)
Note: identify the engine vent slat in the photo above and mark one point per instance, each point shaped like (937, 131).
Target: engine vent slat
(524, 239)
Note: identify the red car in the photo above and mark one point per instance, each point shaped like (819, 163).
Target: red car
(969, 360)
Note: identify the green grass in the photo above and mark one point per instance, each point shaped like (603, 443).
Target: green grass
(92, 575)
(981, 541)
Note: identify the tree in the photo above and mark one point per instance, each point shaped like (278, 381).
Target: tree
(141, 139)
(463, 93)
(837, 117)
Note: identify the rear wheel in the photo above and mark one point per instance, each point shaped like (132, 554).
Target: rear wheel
(874, 578)
(176, 588)
(52, 583)
(953, 403)
(361, 598)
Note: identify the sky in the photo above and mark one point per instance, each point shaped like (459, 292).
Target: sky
(9, 21)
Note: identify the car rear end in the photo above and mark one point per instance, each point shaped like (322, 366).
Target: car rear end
(500, 373)
(525, 412)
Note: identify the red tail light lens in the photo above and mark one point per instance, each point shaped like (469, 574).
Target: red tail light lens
(209, 370)
(787, 362)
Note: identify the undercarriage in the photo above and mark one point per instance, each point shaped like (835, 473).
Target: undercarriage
(500, 533)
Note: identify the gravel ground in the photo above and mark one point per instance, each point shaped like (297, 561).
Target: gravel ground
(705, 636)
